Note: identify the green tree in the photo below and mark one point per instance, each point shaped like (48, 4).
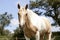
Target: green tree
(7, 33)
(4, 21)
(55, 4)
(18, 33)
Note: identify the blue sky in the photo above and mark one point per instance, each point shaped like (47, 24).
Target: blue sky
(10, 6)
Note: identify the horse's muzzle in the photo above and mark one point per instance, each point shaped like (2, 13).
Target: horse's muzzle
(21, 27)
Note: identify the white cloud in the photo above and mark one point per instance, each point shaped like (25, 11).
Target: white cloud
(14, 22)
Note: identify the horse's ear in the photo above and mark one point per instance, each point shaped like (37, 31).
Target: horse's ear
(18, 6)
(26, 6)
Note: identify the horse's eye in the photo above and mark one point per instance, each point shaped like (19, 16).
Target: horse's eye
(18, 14)
(26, 14)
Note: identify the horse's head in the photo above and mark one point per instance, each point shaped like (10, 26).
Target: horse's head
(22, 13)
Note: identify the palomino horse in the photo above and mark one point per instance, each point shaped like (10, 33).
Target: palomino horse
(33, 25)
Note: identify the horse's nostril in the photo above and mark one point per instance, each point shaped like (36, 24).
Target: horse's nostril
(21, 26)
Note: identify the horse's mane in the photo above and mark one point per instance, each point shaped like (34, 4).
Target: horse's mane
(31, 12)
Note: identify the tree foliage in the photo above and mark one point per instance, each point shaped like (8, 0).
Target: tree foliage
(18, 33)
(4, 21)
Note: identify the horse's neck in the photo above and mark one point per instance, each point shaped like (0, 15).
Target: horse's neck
(31, 13)
(29, 25)
(29, 30)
